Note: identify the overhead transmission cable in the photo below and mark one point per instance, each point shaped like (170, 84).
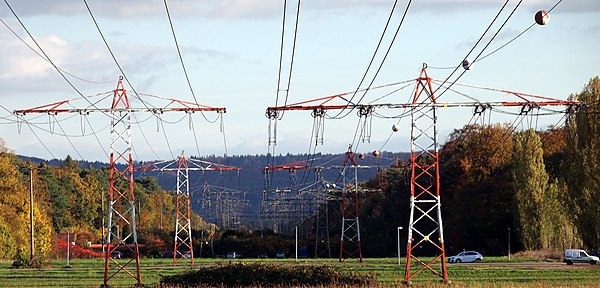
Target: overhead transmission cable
(45, 59)
(48, 57)
(123, 73)
(271, 146)
(289, 81)
(482, 50)
(281, 52)
(179, 53)
(187, 78)
(374, 55)
(476, 43)
(69, 140)
(111, 52)
(515, 38)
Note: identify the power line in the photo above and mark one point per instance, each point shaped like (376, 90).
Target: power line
(112, 54)
(518, 35)
(281, 53)
(474, 46)
(40, 55)
(287, 90)
(69, 140)
(382, 61)
(179, 52)
(484, 48)
(46, 55)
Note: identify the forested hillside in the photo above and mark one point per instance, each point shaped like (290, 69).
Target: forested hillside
(543, 187)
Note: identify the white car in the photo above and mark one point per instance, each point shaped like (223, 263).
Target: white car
(579, 256)
(466, 256)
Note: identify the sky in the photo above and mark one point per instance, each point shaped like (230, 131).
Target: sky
(231, 49)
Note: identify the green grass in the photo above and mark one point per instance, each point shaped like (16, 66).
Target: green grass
(90, 272)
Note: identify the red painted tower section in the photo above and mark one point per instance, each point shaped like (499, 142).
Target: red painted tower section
(183, 248)
(121, 234)
(425, 230)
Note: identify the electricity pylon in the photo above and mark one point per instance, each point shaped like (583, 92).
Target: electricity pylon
(350, 245)
(425, 226)
(182, 247)
(121, 213)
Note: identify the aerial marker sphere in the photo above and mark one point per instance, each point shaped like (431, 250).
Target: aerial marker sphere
(361, 156)
(395, 128)
(542, 17)
(467, 64)
(376, 153)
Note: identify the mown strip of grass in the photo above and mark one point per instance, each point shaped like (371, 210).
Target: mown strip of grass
(89, 273)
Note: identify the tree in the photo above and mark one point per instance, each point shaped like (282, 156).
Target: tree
(582, 165)
(530, 181)
(14, 210)
(478, 201)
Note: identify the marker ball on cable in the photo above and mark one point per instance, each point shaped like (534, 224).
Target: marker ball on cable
(467, 64)
(376, 153)
(542, 17)
(395, 128)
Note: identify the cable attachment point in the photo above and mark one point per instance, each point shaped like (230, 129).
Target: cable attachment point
(318, 112)
(365, 111)
(481, 107)
(528, 107)
(424, 65)
(272, 114)
(120, 77)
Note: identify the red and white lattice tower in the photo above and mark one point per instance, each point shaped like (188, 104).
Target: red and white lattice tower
(425, 229)
(121, 234)
(183, 228)
(121, 205)
(350, 239)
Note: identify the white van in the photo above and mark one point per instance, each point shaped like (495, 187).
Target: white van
(579, 256)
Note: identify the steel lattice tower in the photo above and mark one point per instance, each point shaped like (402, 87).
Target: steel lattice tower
(182, 244)
(425, 229)
(183, 247)
(121, 212)
(121, 205)
(350, 239)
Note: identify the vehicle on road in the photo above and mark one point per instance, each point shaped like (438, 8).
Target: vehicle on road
(233, 255)
(280, 255)
(117, 255)
(465, 257)
(579, 256)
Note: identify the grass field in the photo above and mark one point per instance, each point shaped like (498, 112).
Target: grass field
(494, 272)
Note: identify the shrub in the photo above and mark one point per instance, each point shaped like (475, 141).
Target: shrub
(22, 261)
(257, 275)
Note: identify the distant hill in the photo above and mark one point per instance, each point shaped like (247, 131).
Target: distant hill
(251, 178)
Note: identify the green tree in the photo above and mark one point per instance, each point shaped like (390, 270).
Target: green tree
(530, 181)
(582, 165)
